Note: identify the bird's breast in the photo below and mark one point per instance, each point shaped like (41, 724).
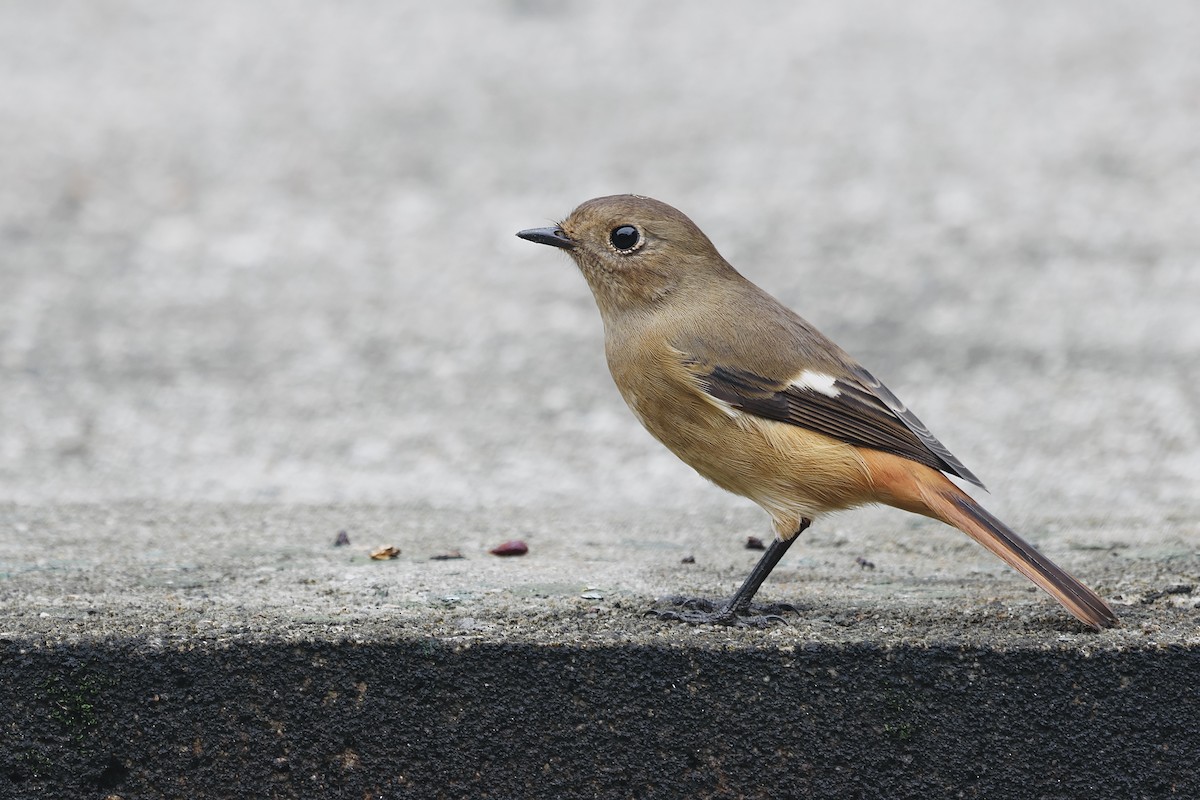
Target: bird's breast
(793, 473)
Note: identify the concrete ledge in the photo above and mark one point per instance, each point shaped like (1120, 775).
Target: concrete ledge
(231, 651)
(423, 718)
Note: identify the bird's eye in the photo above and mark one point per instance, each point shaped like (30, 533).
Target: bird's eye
(625, 238)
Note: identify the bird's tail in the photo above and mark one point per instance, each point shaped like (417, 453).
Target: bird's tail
(918, 488)
(956, 508)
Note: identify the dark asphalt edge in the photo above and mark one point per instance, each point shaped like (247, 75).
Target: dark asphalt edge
(422, 718)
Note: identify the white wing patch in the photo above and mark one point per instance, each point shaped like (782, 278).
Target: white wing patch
(813, 381)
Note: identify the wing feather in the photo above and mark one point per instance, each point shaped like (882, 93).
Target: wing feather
(858, 409)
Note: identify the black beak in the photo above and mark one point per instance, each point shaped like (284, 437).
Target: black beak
(551, 236)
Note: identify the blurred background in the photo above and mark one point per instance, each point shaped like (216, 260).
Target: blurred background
(264, 251)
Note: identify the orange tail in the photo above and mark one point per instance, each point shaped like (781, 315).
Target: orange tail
(920, 489)
(972, 519)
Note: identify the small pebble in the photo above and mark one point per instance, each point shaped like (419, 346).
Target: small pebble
(511, 548)
(385, 552)
(755, 543)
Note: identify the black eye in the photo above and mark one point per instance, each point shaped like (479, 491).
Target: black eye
(625, 238)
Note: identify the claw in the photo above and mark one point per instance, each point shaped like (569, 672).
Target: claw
(695, 603)
(699, 611)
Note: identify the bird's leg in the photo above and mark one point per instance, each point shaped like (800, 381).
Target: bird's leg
(737, 609)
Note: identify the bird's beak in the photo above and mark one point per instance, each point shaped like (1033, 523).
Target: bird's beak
(551, 236)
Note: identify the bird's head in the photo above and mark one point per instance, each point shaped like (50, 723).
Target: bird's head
(635, 252)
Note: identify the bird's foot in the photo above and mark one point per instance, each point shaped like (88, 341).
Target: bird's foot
(699, 611)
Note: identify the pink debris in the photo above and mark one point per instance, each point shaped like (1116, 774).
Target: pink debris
(511, 548)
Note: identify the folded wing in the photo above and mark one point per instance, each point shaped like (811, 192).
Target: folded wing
(853, 407)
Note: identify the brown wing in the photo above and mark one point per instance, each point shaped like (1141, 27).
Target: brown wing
(856, 408)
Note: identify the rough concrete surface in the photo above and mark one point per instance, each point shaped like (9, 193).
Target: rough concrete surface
(259, 284)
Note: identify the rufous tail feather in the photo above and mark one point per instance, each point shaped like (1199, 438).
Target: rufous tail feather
(958, 509)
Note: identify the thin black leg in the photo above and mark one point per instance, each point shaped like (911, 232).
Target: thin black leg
(737, 610)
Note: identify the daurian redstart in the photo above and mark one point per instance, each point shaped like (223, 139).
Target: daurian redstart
(762, 404)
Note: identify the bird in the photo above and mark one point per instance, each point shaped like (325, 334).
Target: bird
(762, 404)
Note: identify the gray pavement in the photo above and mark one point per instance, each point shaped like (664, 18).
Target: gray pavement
(259, 284)
(208, 574)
